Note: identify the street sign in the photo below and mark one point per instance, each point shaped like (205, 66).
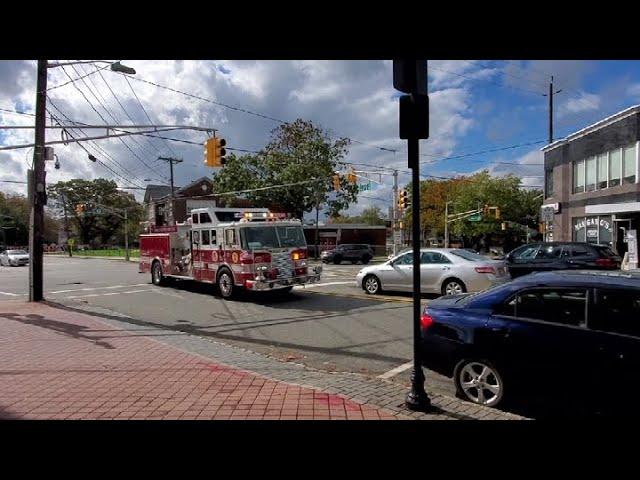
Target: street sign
(475, 218)
(364, 187)
(547, 213)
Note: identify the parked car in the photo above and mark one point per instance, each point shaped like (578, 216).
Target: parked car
(348, 252)
(555, 335)
(14, 258)
(541, 257)
(445, 271)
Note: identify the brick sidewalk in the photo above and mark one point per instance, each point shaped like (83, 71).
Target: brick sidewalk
(60, 364)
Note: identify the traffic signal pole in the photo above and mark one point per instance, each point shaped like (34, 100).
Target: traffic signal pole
(395, 210)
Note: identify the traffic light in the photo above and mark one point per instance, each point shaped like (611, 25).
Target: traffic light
(214, 152)
(336, 182)
(80, 207)
(352, 177)
(504, 225)
(403, 199)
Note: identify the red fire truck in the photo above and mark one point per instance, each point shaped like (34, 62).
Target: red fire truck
(235, 249)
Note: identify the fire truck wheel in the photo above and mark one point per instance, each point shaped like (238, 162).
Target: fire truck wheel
(225, 283)
(156, 273)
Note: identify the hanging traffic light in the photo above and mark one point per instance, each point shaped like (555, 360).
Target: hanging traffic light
(80, 207)
(336, 182)
(403, 199)
(352, 177)
(214, 152)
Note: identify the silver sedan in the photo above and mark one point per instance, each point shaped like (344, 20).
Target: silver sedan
(445, 271)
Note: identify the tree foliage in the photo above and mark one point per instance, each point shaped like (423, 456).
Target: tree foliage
(297, 152)
(14, 221)
(96, 224)
(516, 204)
(369, 216)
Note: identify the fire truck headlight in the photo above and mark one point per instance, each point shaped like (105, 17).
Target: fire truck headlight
(302, 263)
(262, 268)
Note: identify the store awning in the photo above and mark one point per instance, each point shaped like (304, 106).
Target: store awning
(606, 208)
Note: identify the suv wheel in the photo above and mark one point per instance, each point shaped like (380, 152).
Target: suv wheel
(337, 260)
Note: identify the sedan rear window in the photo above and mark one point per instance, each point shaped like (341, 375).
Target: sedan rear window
(16, 252)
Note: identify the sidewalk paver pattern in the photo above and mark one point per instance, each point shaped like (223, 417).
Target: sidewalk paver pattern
(59, 364)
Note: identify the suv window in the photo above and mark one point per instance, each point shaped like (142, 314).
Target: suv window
(604, 251)
(550, 251)
(617, 311)
(579, 250)
(527, 253)
(561, 306)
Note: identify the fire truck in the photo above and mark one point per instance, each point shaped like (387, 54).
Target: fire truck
(235, 249)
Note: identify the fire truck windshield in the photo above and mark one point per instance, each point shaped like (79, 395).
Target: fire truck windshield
(258, 237)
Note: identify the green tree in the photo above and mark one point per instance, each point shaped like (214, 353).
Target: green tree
(297, 152)
(14, 221)
(102, 219)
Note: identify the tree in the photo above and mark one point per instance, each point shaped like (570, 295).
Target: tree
(369, 216)
(298, 152)
(14, 221)
(101, 221)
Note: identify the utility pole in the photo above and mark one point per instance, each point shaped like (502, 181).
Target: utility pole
(394, 206)
(37, 197)
(126, 237)
(66, 222)
(171, 161)
(550, 95)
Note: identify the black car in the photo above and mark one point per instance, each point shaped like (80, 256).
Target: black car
(559, 336)
(348, 252)
(543, 257)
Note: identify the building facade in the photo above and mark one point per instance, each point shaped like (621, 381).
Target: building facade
(592, 189)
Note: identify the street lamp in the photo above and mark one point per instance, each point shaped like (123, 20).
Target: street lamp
(37, 184)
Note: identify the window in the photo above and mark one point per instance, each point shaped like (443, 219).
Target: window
(205, 218)
(433, 257)
(230, 237)
(196, 237)
(194, 218)
(467, 255)
(615, 163)
(205, 237)
(213, 237)
(593, 229)
(578, 176)
(406, 259)
(617, 311)
(603, 164)
(548, 183)
(579, 251)
(550, 251)
(629, 164)
(560, 306)
(590, 174)
(528, 252)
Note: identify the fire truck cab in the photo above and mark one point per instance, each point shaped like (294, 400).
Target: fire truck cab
(235, 249)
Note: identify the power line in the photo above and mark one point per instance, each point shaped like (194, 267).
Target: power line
(492, 150)
(105, 121)
(76, 79)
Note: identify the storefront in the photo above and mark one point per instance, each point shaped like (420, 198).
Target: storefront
(596, 229)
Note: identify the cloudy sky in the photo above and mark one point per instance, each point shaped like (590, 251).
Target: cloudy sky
(479, 109)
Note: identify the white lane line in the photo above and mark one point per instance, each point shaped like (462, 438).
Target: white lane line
(104, 294)
(310, 285)
(98, 288)
(11, 294)
(395, 371)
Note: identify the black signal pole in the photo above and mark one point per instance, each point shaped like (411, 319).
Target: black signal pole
(410, 76)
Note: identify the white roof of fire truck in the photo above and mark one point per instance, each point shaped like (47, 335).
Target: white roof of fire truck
(227, 216)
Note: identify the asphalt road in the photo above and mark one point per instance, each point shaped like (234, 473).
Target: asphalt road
(330, 326)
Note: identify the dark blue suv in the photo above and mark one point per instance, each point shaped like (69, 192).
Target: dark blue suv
(554, 335)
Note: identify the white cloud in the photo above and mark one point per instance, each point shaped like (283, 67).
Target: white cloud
(585, 102)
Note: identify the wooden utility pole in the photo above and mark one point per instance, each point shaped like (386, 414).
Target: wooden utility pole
(171, 161)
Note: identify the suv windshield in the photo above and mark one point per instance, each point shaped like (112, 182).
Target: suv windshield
(467, 255)
(272, 237)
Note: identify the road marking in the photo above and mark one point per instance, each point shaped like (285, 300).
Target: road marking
(11, 294)
(98, 288)
(322, 284)
(395, 371)
(104, 294)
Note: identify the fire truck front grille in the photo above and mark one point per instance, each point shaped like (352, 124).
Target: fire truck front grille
(284, 264)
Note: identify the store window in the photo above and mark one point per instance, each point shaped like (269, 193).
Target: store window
(596, 229)
(615, 157)
(603, 167)
(629, 164)
(590, 174)
(578, 177)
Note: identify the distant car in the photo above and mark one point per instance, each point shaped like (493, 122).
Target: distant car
(552, 335)
(348, 252)
(14, 258)
(445, 271)
(542, 257)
